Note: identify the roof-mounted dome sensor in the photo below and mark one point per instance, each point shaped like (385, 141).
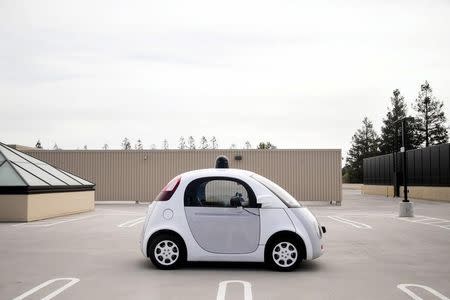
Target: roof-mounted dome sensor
(222, 162)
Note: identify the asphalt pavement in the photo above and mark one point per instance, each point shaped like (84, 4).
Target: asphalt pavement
(370, 254)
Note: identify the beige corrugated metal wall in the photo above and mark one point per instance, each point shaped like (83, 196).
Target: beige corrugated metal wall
(139, 175)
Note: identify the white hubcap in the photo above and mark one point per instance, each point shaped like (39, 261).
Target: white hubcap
(166, 252)
(285, 254)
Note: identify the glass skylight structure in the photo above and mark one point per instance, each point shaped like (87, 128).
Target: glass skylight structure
(20, 172)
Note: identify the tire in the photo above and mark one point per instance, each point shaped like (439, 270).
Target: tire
(284, 254)
(167, 252)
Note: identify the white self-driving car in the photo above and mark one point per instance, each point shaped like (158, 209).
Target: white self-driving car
(229, 215)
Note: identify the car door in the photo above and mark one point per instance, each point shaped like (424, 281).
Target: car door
(216, 223)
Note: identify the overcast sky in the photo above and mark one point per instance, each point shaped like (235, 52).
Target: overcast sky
(301, 74)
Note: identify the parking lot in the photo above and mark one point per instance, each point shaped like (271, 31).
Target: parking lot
(370, 254)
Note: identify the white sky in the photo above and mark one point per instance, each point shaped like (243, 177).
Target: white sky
(301, 74)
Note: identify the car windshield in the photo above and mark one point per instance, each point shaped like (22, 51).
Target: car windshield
(277, 190)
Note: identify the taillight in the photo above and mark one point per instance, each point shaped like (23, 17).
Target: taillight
(169, 189)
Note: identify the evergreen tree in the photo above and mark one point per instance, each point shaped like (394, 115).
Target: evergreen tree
(126, 145)
(345, 175)
(55, 147)
(431, 117)
(191, 142)
(85, 147)
(365, 143)
(267, 145)
(138, 145)
(248, 145)
(182, 144)
(398, 111)
(38, 145)
(105, 147)
(213, 142)
(204, 143)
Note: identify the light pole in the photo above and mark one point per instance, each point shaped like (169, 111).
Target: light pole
(406, 207)
(394, 162)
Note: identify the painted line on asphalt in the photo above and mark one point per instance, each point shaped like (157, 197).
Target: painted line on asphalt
(121, 214)
(420, 220)
(358, 225)
(132, 223)
(404, 288)
(436, 222)
(360, 215)
(71, 282)
(223, 289)
(118, 211)
(48, 224)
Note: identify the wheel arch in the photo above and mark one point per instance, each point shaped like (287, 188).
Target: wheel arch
(165, 231)
(285, 234)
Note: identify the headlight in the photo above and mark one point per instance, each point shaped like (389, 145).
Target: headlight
(318, 229)
(317, 225)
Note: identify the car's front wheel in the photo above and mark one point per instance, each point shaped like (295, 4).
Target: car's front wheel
(284, 254)
(167, 252)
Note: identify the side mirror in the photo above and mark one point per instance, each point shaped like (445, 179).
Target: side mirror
(236, 202)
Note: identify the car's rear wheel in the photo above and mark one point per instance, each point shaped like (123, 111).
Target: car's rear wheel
(284, 254)
(167, 252)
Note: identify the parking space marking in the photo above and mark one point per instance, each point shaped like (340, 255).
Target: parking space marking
(350, 222)
(360, 215)
(120, 214)
(404, 288)
(71, 282)
(437, 222)
(223, 289)
(132, 223)
(49, 223)
(421, 220)
(117, 211)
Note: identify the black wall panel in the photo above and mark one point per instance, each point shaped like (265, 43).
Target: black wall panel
(418, 167)
(411, 169)
(434, 165)
(428, 166)
(444, 162)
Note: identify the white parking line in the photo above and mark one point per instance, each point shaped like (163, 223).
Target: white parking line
(404, 288)
(71, 282)
(360, 215)
(223, 289)
(350, 222)
(422, 220)
(48, 223)
(437, 222)
(132, 223)
(121, 214)
(116, 211)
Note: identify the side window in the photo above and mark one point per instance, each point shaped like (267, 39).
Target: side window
(223, 192)
(218, 192)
